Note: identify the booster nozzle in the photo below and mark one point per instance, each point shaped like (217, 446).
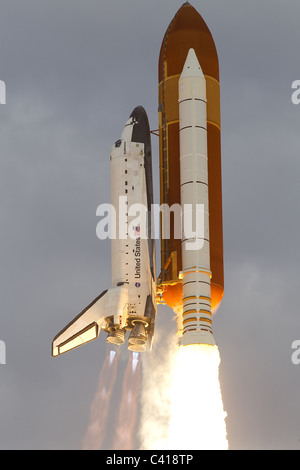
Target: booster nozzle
(197, 337)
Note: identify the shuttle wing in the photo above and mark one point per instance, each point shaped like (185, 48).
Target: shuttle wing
(84, 328)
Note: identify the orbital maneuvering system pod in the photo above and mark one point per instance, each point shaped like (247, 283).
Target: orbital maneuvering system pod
(191, 279)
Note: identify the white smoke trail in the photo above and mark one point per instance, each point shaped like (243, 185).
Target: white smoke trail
(128, 412)
(155, 397)
(97, 426)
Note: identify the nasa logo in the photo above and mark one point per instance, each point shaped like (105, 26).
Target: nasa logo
(137, 284)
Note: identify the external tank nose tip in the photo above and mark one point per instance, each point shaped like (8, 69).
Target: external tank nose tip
(187, 29)
(186, 5)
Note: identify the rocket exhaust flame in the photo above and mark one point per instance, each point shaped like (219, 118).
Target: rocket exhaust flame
(127, 419)
(97, 429)
(181, 401)
(196, 401)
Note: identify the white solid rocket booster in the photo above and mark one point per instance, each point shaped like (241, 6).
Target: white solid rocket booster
(196, 320)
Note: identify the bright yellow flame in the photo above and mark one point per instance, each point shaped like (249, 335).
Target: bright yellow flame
(197, 417)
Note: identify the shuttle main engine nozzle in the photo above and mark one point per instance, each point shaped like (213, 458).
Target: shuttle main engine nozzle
(138, 337)
(116, 336)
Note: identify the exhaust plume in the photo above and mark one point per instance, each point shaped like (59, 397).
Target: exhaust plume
(128, 412)
(197, 417)
(97, 427)
(181, 398)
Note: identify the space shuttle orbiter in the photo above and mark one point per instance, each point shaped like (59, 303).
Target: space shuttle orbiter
(130, 302)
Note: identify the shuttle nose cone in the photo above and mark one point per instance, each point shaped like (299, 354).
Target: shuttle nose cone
(138, 113)
(140, 132)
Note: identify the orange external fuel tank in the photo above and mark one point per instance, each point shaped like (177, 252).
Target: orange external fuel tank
(188, 30)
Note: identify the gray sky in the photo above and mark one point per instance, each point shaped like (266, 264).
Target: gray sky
(74, 70)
